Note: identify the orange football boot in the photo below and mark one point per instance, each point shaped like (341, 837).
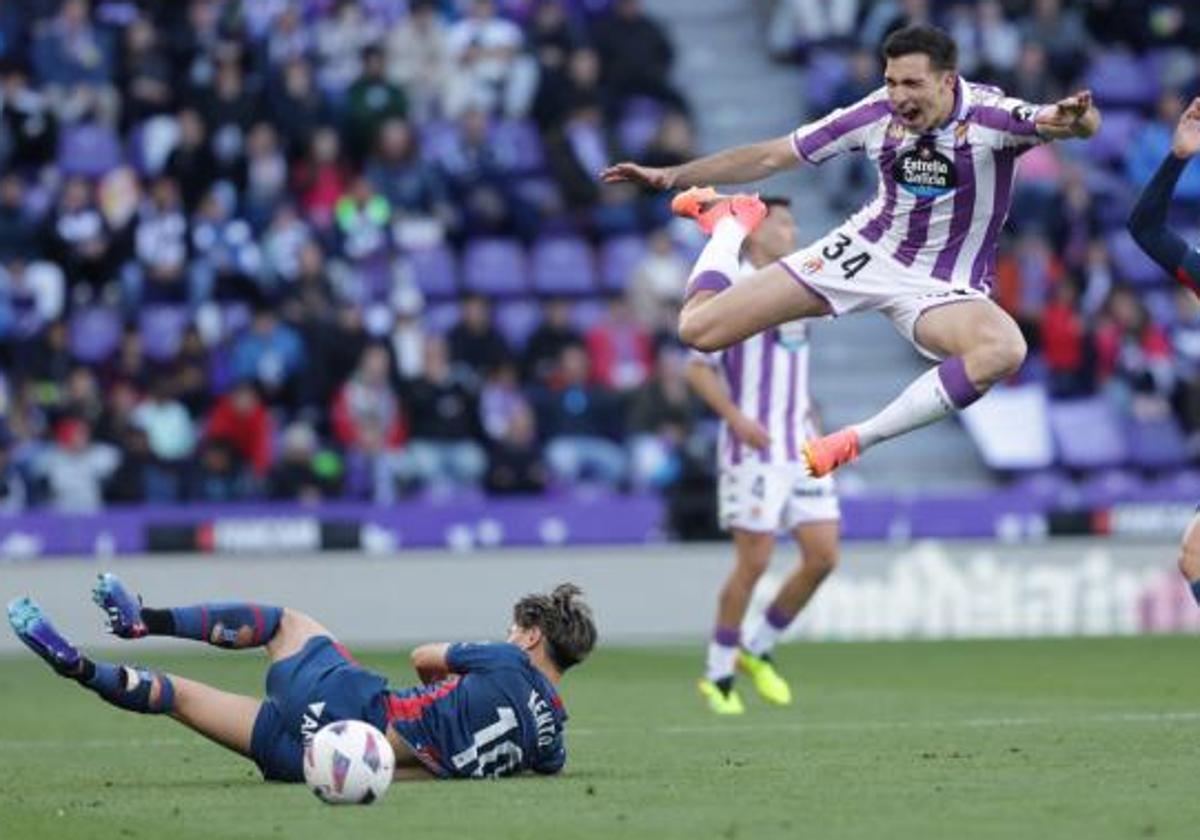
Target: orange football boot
(707, 207)
(826, 454)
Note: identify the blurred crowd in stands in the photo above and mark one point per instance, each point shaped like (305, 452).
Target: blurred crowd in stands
(358, 249)
(313, 250)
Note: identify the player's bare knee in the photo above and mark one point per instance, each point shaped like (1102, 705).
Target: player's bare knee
(295, 628)
(999, 353)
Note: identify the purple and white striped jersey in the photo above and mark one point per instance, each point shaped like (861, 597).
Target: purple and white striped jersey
(943, 195)
(767, 377)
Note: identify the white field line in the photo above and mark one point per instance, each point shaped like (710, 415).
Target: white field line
(721, 728)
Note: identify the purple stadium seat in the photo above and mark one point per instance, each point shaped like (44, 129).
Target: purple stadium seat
(439, 139)
(1131, 263)
(1112, 140)
(1117, 79)
(518, 144)
(162, 329)
(619, 256)
(1156, 444)
(220, 371)
(639, 124)
(94, 334)
(495, 267)
(88, 149)
(436, 271)
(1161, 306)
(235, 317)
(1107, 487)
(1043, 485)
(1183, 484)
(517, 319)
(586, 313)
(825, 70)
(1088, 434)
(563, 266)
(440, 317)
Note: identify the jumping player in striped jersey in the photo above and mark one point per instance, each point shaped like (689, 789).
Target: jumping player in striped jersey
(484, 710)
(923, 252)
(1148, 224)
(759, 389)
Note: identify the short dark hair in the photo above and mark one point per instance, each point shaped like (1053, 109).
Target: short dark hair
(565, 621)
(776, 200)
(927, 40)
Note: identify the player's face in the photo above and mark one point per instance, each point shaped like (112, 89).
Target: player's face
(921, 95)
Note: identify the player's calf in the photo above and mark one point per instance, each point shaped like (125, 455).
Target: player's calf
(232, 624)
(130, 688)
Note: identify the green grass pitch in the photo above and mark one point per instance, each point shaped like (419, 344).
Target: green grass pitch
(1087, 739)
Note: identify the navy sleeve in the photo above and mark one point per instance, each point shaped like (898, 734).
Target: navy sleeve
(1148, 224)
(551, 761)
(463, 657)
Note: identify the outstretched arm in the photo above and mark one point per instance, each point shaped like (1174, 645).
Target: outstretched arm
(1074, 116)
(1148, 222)
(739, 165)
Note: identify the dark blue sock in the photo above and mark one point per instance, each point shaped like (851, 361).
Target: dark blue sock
(129, 688)
(234, 624)
(1196, 590)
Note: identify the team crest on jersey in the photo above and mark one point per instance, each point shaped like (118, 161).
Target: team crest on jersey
(812, 265)
(960, 132)
(924, 171)
(1024, 113)
(896, 130)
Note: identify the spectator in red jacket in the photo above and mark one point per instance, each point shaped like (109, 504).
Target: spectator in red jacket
(1133, 354)
(366, 412)
(242, 420)
(620, 349)
(1064, 342)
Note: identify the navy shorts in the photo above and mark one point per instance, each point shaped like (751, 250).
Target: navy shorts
(319, 685)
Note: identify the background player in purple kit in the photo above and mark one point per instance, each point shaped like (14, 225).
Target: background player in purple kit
(1148, 224)
(485, 709)
(946, 151)
(759, 389)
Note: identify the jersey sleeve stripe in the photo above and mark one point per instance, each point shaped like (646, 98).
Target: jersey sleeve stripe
(790, 415)
(731, 359)
(1000, 120)
(809, 140)
(707, 281)
(766, 368)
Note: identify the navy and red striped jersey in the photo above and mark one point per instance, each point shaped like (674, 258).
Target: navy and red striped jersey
(496, 716)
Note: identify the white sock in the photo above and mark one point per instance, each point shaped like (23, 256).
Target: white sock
(934, 394)
(720, 256)
(722, 654)
(767, 630)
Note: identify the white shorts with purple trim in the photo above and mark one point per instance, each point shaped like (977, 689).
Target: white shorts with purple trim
(769, 498)
(854, 275)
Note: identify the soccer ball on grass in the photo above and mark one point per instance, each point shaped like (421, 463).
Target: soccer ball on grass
(348, 763)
